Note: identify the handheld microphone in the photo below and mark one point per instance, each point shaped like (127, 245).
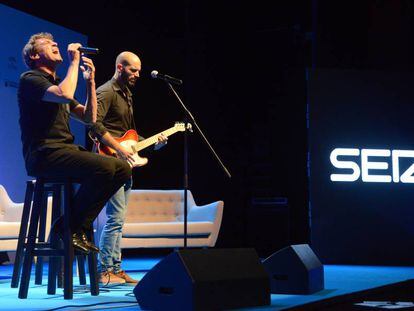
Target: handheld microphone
(86, 50)
(156, 75)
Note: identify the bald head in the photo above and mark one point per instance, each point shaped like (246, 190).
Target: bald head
(127, 58)
(127, 68)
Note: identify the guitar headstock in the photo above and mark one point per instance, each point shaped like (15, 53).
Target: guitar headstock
(179, 126)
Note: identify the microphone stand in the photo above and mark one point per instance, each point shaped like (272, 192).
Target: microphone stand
(191, 118)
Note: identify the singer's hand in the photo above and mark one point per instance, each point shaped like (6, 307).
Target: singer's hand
(162, 141)
(89, 71)
(73, 52)
(125, 154)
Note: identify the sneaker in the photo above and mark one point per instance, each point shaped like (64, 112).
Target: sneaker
(109, 277)
(127, 279)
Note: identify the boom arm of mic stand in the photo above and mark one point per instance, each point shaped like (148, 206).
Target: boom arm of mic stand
(199, 130)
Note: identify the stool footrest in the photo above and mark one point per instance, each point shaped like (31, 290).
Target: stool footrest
(48, 252)
(41, 245)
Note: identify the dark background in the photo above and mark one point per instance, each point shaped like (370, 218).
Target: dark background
(361, 222)
(243, 67)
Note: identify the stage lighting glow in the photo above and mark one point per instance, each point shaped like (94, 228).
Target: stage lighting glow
(407, 176)
(356, 172)
(368, 165)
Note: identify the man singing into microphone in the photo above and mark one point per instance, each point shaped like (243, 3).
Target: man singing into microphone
(45, 103)
(115, 117)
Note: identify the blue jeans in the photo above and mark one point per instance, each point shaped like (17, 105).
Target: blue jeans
(110, 241)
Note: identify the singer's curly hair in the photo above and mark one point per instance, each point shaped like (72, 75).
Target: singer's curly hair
(30, 49)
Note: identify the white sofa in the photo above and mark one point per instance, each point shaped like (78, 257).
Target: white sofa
(155, 219)
(10, 218)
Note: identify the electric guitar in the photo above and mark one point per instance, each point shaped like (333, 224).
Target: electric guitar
(130, 141)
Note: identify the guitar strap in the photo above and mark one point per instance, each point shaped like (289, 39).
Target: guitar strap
(131, 109)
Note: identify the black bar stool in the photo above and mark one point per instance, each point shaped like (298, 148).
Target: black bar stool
(28, 245)
(41, 238)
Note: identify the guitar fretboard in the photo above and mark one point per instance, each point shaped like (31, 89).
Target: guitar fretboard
(153, 139)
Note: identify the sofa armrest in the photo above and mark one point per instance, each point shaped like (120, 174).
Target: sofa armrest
(206, 212)
(13, 212)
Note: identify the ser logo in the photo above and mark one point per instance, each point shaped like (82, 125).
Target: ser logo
(374, 165)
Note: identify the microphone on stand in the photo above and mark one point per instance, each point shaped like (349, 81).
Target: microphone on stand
(87, 50)
(156, 75)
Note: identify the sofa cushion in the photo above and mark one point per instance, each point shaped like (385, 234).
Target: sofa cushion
(156, 229)
(9, 230)
(157, 205)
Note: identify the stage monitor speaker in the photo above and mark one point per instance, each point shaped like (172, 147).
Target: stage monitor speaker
(205, 279)
(295, 270)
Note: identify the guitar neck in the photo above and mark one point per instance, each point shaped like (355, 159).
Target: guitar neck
(153, 139)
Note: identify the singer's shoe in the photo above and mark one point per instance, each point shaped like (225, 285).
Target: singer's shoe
(77, 242)
(92, 247)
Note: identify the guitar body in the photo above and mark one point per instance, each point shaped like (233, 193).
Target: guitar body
(129, 140)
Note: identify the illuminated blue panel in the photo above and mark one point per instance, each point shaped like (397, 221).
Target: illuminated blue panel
(15, 29)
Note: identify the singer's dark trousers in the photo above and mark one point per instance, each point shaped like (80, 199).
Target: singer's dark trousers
(99, 178)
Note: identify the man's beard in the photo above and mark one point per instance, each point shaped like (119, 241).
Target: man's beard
(127, 82)
(131, 84)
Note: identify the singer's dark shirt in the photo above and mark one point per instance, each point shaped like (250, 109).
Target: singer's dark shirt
(43, 124)
(115, 111)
